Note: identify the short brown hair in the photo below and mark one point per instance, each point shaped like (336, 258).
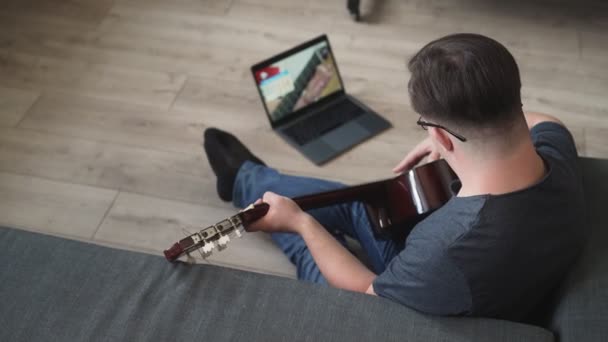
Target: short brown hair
(466, 79)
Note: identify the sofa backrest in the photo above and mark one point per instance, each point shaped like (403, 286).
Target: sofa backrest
(53, 289)
(580, 311)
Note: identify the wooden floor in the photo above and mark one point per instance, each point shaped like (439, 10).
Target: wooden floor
(102, 103)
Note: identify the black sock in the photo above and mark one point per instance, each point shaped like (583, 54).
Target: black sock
(225, 186)
(226, 154)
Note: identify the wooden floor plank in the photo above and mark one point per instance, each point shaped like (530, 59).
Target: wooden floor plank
(162, 174)
(596, 142)
(298, 14)
(13, 105)
(117, 122)
(594, 44)
(49, 206)
(216, 30)
(80, 12)
(186, 7)
(23, 70)
(413, 21)
(181, 130)
(574, 108)
(153, 224)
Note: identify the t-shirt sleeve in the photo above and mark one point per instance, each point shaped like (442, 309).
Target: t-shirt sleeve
(422, 277)
(555, 140)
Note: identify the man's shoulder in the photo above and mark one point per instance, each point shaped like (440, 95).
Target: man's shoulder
(448, 223)
(423, 275)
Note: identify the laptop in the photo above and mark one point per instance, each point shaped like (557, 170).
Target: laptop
(307, 105)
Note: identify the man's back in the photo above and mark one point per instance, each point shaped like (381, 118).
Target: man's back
(495, 255)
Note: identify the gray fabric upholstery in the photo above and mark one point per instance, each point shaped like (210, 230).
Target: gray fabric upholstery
(581, 313)
(53, 289)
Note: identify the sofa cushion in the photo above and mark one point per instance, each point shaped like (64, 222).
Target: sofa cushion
(53, 289)
(581, 311)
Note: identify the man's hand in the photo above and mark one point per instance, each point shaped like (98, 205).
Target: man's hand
(284, 215)
(424, 149)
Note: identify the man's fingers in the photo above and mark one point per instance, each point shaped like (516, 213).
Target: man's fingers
(402, 166)
(410, 160)
(423, 149)
(434, 156)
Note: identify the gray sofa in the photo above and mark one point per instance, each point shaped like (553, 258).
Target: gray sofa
(54, 289)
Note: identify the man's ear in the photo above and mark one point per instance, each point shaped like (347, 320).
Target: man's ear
(442, 137)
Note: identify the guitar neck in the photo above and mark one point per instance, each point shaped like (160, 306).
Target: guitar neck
(369, 192)
(219, 233)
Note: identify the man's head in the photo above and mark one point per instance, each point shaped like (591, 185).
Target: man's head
(468, 83)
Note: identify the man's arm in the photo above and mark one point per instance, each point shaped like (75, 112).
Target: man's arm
(336, 263)
(533, 119)
(340, 267)
(550, 136)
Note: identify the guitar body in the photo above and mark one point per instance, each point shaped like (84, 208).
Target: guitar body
(395, 205)
(412, 197)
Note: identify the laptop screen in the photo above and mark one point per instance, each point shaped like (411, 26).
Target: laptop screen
(298, 80)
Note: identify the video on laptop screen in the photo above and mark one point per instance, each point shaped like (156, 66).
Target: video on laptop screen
(298, 80)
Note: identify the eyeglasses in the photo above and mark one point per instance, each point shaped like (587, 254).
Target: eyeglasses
(425, 124)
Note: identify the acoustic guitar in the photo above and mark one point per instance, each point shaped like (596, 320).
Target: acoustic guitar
(394, 206)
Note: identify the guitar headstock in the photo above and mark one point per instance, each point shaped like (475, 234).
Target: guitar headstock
(217, 235)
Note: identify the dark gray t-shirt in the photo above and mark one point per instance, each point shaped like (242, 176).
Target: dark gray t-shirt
(495, 255)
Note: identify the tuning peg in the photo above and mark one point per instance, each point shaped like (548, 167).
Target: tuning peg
(223, 240)
(208, 247)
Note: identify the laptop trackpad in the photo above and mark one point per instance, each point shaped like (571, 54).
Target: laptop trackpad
(345, 136)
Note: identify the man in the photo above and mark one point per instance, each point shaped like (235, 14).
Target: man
(494, 250)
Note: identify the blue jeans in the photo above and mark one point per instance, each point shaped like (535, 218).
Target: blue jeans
(253, 180)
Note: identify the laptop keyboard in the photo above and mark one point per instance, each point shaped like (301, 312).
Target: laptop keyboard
(316, 125)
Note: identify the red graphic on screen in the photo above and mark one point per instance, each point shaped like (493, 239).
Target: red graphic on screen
(266, 73)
